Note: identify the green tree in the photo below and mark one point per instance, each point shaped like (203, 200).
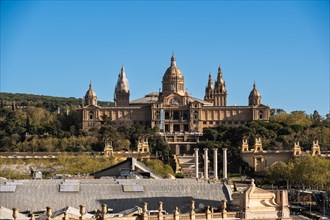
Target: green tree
(316, 117)
(160, 168)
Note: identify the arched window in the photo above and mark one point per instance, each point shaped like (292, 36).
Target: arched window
(91, 115)
(261, 114)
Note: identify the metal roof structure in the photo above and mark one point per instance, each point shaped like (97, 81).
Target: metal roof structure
(37, 194)
(130, 165)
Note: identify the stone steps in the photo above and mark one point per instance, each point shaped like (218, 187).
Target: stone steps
(187, 164)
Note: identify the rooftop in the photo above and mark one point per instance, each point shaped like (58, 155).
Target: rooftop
(35, 195)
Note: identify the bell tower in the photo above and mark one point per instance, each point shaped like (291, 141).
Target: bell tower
(209, 90)
(122, 93)
(220, 91)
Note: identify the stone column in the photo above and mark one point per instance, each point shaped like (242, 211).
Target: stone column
(82, 212)
(65, 215)
(196, 163)
(192, 212)
(215, 163)
(160, 209)
(48, 212)
(176, 214)
(224, 207)
(144, 211)
(206, 168)
(285, 204)
(15, 213)
(208, 212)
(224, 169)
(104, 211)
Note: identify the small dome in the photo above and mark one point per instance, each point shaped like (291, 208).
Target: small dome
(90, 97)
(173, 80)
(90, 92)
(173, 72)
(254, 92)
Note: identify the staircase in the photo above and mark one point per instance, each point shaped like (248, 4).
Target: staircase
(187, 165)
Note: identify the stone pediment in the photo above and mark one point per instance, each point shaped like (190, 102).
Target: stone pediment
(196, 101)
(174, 99)
(92, 107)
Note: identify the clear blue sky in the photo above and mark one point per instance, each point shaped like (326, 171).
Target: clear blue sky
(57, 47)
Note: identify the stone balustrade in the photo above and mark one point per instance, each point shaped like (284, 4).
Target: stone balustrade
(209, 214)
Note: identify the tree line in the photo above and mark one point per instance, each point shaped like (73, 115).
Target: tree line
(279, 133)
(35, 129)
(39, 128)
(50, 103)
(304, 172)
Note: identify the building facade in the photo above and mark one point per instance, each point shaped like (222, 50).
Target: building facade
(259, 159)
(173, 110)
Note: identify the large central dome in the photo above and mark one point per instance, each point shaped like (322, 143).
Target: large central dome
(173, 80)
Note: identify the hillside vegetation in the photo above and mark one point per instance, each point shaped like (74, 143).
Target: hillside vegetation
(63, 164)
(39, 126)
(34, 124)
(50, 103)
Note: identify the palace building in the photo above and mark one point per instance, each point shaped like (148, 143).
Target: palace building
(173, 110)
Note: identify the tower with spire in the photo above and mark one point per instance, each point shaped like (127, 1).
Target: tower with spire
(122, 93)
(220, 91)
(90, 97)
(209, 90)
(254, 97)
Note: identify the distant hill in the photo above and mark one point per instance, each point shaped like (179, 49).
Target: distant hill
(51, 103)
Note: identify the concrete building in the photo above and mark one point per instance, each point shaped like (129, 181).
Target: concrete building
(178, 116)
